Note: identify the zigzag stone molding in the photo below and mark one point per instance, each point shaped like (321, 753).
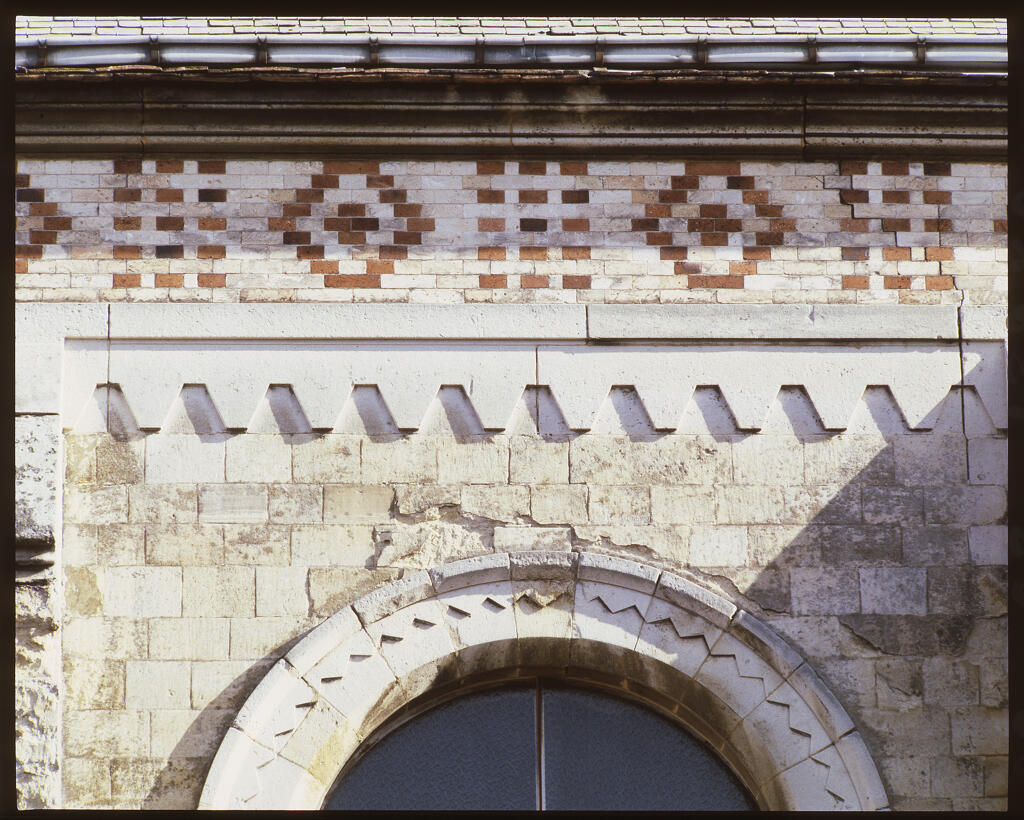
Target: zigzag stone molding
(237, 375)
(727, 674)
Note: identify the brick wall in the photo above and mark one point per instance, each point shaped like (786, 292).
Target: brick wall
(505, 231)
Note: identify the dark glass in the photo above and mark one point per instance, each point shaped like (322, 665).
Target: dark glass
(476, 752)
(602, 752)
(599, 752)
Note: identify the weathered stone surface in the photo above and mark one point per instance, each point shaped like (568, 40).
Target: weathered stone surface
(536, 460)
(512, 539)
(426, 498)
(825, 591)
(36, 743)
(676, 459)
(248, 544)
(233, 503)
(911, 634)
(330, 459)
(405, 460)
(218, 592)
(258, 458)
(471, 462)
(187, 639)
(619, 505)
(331, 588)
(153, 503)
(558, 504)
(988, 544)
(36, 470)
(501, 503)
(893, 591)
(350, 545)
(979, 730)
(173, 458)
(296, 503)
(142, 592)
(357, 502)
(106, 545)
(184, 544)
(429, 544)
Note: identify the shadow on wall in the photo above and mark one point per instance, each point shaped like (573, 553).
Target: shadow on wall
(866, 549)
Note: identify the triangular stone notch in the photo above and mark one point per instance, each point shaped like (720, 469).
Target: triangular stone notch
(537, 413)
(279, 411)
(451, 413)
(623, 413)
(365, 413)
(193, 411)
(107, 411)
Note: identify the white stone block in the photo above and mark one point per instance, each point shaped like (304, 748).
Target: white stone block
(412, 638)
(988, 460)
(676, 637)
(174, 458)
(479, 614)
(142, 592)
(512, 539)
(349, 545)
(281, 591)
(258, 457)
(719, 546)
(737, 675)
(157, 685)
(988, 544)
(188, 638)
(233, 503)
(608, 613)
(893, 591)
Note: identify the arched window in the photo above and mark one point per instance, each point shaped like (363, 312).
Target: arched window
(536, 744)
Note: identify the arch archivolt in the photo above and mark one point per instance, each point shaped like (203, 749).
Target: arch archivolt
(730, 678)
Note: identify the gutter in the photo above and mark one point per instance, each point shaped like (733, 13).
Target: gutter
(987, 55)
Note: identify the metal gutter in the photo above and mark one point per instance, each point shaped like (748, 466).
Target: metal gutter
(812, 53)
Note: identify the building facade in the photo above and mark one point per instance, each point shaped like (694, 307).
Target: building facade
(361, 361)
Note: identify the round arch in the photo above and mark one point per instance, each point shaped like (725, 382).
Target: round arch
(724, 673)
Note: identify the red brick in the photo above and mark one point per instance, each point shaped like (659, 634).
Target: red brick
(855, 254)
(380, 181)
(853, 167)
(896, 254)
(661, 237)
(127, 223)
(57, 223)
(492, 254)
(323, 181)
(938, 225)
(392, 195)
(351, 237)
(998, 225)
(572, 168)
(42, 209)
(714, 211)
(758, 254)
(896, 197)
(576, 282)
(323, 266)
(170, 166)
(170, 251)
(657, 211)
(170, 223)
(352, 280)
(21, 266)
(533, 225)
(854, 225)
(287, 223)
(576, 252)
(852, 195)
(365, 223)
(212, 223)
(767, 210)
(743, 268)
(645, 225)
(713, 168)
(331, 223)
(734, 225)
(351, 209)
(169, 280)
(211, 280)
(392, 252)
(735, 282)
(672, 196)
(308, 195)
(379, 266)
(295, 209)
(937, 197)
(533, 280)
(296, 238)
(938, 254)
(28, 251)
(533, 168)
(740, 183)
(533, 253)
(686, 268)
(408, 238)
(487, 196)
(127, 166)
(21, 180)
(700, 225)
(493, 280)
(895, 169)
(127, 280)
(670, 253)
(488, 224)
(855, 283)
(895, 224)
(211, 166)
(425, 224)
(533, 197)
(937, 169)
(575, 197)
(490, 167)
(309, 252)
(938, 283)
(127, 252)
(29, 195)
(175, 195)
(768, 238)
(687, 182)
(896, 282)
(755, 197)
(404, 209)
(714, 239)
(351, 167)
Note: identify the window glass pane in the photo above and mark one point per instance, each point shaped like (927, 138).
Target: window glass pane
(476, 752)
(601, 752)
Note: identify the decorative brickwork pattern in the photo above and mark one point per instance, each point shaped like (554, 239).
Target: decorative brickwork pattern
(569, 231)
